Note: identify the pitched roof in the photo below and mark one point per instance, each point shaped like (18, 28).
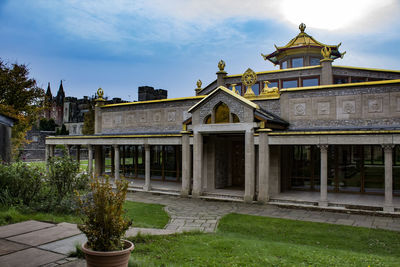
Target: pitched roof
(226, 90)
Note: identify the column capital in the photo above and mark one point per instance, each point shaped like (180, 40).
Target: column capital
(116, 146)
(146, 146)
(387, 147)
(323, 147)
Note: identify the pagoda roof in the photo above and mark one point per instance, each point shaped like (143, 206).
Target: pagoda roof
(302, 40)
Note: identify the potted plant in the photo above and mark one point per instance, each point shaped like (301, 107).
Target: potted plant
(104, 224)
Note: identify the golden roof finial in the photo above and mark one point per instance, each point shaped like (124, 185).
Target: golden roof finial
(221, 65)
(100, 94)
(302, 27)
(326, 52)
(199, 83)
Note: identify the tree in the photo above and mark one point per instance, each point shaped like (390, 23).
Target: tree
(88, 121)
(21, 98)
(47, 125)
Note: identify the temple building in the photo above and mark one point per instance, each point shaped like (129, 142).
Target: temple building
(309, 133)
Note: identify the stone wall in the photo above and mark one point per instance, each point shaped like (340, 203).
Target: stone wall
(161, 117)
(352, 107)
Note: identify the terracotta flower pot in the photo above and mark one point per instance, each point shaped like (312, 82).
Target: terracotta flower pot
(119, 258)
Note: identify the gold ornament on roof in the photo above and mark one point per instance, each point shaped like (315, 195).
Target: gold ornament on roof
(199, 83)
(270, 92)
(234, 88)
(302, 27)
(221, 65)
(326, 52)
(249, 78)
(100, 93)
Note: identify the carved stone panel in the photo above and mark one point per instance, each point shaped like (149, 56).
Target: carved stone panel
(348, 107)
(395, 104)
(323, 108)
(299, 109)
(157, 116)
(142, 116)
(376, 105)
(171, 116)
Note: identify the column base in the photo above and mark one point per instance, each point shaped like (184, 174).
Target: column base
(146, 187)
(184, 193)
(248, 199)
(196, 194)
(323, 203)
(263, 200)
(388, 208)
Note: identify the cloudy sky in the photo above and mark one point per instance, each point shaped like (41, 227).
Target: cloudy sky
(122, 44)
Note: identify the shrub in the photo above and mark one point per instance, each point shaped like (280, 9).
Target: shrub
(20, 183)
(103, 216)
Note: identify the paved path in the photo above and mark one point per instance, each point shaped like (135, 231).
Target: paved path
(34, 243)
(198, 214)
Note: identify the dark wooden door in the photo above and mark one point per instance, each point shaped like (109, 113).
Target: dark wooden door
(237, 164)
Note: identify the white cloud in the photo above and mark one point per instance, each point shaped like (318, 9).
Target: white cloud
(182, 21)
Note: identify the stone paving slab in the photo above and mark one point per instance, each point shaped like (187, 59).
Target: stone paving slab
(22, 227)
(7, 247)
(47, 235)
(65, 246)
(29, 257)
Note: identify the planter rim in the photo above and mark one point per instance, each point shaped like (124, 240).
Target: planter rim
(89, 251)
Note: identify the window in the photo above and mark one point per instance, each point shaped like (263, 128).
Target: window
(290, 84)
(222, 113)
(310, 82)
(340, 80)
(314, 61)
(357, 79)
(256, 88)
(284, 64)
(297, 62)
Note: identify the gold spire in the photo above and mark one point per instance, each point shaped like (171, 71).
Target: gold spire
(221, 65)
(302, 27)
(100, 100)
(198, 83)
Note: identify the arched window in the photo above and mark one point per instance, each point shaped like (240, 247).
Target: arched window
(235, 118)
(207, 120)
(222, 113)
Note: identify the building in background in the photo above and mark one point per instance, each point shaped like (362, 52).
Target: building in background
(310, 133)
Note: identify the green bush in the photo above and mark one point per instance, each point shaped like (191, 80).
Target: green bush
(29, 187)
(103, 216)
(20, 184)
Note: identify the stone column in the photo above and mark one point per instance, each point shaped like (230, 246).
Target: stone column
(78, 153)
(147, 185)
(52, 150)
(90, 160)
(249, 157)
(197, 164)
(68, 150)
(326, 72)
(388, 205)
(324, 176)
(263, 167)
(98, 160)
(47, 156)
(186, 162)
(117, 162)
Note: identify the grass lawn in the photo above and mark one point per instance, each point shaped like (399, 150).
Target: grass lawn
(244, 240)
(142, 214)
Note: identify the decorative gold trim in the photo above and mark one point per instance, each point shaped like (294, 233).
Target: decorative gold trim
(336, 132)
(155, 101)
(111, 136)
(221, 65)
(360, 68)
(341, 85)
(226, 90)
(274, 71)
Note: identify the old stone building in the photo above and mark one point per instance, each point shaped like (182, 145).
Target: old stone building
(309, 133)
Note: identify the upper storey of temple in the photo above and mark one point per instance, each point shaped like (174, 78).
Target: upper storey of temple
(301, 51)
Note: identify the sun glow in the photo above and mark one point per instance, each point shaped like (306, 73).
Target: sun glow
(331, 15)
